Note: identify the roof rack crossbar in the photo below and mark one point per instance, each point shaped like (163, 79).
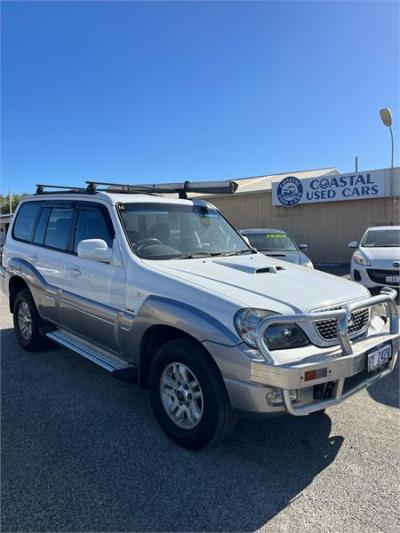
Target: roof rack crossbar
(40, 188)
(206, 187)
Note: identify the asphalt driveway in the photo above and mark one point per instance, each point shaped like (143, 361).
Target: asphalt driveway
(81, 451)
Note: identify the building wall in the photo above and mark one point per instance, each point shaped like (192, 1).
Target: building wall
(325, 227)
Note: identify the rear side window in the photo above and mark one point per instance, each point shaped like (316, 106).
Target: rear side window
(25, 222)
(59, 228)
(92, 225)
(41, 226)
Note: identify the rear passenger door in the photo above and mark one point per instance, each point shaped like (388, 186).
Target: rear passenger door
(94, 292)
(42, 236)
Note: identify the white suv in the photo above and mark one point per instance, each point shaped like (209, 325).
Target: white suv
(166, 292)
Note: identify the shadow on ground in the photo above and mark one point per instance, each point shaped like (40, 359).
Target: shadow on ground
(82, 452)
(386, 390)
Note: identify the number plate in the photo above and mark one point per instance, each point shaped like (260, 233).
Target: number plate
(392, 279)
(379, 356)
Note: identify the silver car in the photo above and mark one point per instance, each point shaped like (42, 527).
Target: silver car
(277, 243)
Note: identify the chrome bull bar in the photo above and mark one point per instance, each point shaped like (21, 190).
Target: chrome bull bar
(342, 316)
(387, 298)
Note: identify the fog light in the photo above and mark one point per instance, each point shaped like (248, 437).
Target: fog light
(275, 397)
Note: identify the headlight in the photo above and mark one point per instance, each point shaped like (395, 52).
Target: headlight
(277, 336)
(308, 264)
(379, 310)
(305, 262)
(246, 321)
(360, 259)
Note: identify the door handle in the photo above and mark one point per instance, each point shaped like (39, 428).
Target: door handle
(33, 258)
(74, 271)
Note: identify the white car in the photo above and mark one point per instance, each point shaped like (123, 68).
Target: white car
(376, 261)
(166, 292)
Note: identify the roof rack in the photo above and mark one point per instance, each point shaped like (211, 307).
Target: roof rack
(40, 188)
(205, 187)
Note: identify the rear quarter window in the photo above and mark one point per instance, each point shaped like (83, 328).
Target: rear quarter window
(26, 221)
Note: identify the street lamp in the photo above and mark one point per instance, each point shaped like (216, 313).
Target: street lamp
(386, 116)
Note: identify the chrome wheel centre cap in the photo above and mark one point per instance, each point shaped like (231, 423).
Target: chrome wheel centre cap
(183, 395)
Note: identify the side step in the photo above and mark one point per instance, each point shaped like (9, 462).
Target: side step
(93, 353)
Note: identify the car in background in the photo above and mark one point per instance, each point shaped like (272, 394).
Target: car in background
(376, 260)
(277, 243)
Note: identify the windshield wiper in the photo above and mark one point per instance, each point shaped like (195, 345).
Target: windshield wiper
(239, 252)
(194, 255)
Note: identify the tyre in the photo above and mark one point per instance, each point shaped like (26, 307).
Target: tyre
(188, 395)
(318, 413)
(27, 322)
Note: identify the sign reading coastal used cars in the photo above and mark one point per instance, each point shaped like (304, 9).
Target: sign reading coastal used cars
(292, 191)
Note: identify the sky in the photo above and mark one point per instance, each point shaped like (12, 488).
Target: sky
(148, 92)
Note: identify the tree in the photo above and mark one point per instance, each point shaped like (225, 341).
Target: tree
(5, 202)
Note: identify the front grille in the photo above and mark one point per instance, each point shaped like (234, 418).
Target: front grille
(379, 276)
(358, 323)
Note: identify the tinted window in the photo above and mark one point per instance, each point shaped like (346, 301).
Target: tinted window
(25, 223)
(92, 225)
(41, 226)
(59, 227)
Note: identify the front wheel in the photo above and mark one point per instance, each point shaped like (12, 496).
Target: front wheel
(188, 395)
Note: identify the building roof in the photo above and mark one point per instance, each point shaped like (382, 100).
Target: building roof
(264, 183)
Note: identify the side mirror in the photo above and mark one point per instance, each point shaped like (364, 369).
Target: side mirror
(353, 244)
(95, 250)
(246, 240)
(303, 247)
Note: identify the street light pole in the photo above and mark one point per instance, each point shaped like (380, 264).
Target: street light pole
(10, 201)
(391, 136)
(386, 117)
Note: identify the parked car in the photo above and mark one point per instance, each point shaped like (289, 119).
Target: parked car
(376, 261)
(277, 243)
(166, 292)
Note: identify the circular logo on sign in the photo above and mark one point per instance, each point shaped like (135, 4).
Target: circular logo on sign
(324, 183)
(290, 191)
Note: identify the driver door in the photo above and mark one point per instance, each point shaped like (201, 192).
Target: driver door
(94, 291)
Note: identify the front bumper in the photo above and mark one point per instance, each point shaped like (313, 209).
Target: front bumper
(335, 368)
(373, 277)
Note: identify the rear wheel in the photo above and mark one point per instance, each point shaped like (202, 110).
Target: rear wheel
(27, 322)
(188, 395)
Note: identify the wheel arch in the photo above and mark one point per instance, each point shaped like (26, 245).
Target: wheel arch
(154, 338)
(16, 284)
(162, 319)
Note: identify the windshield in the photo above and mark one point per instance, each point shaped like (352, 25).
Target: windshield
(173, 231)
(271, 241)
(387, 238)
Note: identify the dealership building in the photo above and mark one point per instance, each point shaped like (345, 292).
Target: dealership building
(323, 208)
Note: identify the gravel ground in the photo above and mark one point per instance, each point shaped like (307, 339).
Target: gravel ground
(81, 451)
